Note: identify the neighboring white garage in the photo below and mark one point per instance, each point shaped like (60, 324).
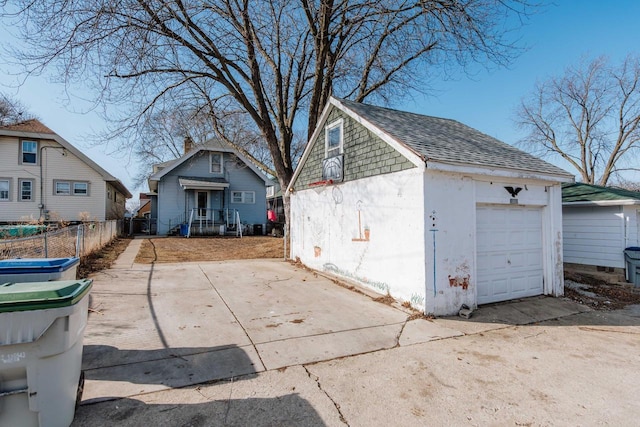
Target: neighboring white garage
(426, 209)
(510, 252)
(598, 223)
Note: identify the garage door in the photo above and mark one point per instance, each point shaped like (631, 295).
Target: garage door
(509, 252)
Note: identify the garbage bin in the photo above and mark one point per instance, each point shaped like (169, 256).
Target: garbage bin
(257, 229)
(632, 258)
(38, 269)
(184, 229)
(41, 332)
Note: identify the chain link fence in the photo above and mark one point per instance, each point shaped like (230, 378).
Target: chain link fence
(78, 240)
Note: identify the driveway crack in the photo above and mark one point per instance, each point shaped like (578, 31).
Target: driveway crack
(264, 367)
(336, 404)
(400, 332)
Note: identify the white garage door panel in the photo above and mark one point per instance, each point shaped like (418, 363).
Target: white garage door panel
(509, 253)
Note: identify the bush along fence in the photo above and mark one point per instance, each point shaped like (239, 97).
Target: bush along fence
(77, 240)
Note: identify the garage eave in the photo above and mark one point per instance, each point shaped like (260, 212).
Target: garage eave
(470, 169)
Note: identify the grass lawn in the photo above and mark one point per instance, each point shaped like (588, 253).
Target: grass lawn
(180, 249)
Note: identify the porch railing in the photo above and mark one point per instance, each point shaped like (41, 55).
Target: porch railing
(212, 221)
(177, 220)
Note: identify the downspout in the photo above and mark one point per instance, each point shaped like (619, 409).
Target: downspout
(41, 161)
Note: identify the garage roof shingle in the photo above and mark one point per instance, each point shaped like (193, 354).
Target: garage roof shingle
(449, 141)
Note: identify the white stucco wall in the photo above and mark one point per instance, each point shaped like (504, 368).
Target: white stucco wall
(406, 212)
(452, 199)
(325, 234)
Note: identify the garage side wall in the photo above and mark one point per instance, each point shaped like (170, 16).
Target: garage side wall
(595, 235)
(369, 230)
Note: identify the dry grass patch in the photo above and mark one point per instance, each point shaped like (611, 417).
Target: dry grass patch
(102, 258)
(180, 249)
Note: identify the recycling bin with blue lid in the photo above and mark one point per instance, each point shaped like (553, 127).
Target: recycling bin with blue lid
(38, 269)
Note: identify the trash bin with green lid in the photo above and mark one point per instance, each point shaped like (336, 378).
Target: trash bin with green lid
(632, 258)
(41, 332)
(38, 269)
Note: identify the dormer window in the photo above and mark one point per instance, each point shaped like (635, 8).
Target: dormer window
(215, 161)
(333, 139)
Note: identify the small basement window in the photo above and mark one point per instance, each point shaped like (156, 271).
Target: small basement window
(333, 139)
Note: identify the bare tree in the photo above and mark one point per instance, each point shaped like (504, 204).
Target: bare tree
(273, 62)
(627, 184)
(589, 116)
(161, 134)
(12, 111)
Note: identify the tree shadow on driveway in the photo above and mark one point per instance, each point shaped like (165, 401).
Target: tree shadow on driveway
(112, 373)
(286, 410)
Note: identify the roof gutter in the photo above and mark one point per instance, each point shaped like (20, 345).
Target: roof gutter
(625, 202)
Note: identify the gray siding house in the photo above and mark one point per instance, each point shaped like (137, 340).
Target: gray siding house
(210, 189)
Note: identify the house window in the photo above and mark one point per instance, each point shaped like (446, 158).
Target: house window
(333, 139)
(70, 188)
(243, 197)
(271, 191)
(215, 161)
(26, 190)
(5, 187)
(62, 188)
(29, 152)
(80, 189)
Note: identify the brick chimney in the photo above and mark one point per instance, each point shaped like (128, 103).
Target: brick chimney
(188, 144)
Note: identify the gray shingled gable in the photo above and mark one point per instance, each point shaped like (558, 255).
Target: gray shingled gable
(449, 141)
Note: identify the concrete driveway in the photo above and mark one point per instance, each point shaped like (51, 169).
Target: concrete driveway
(264, 342)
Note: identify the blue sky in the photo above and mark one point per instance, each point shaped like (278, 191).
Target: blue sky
(557, 37)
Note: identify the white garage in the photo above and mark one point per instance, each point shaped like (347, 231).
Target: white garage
(598, 223)
(509, 252)
(425, 209)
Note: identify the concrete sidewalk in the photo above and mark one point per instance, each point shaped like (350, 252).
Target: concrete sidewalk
(264, 342)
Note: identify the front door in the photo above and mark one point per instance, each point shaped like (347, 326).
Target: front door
(202, 203)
